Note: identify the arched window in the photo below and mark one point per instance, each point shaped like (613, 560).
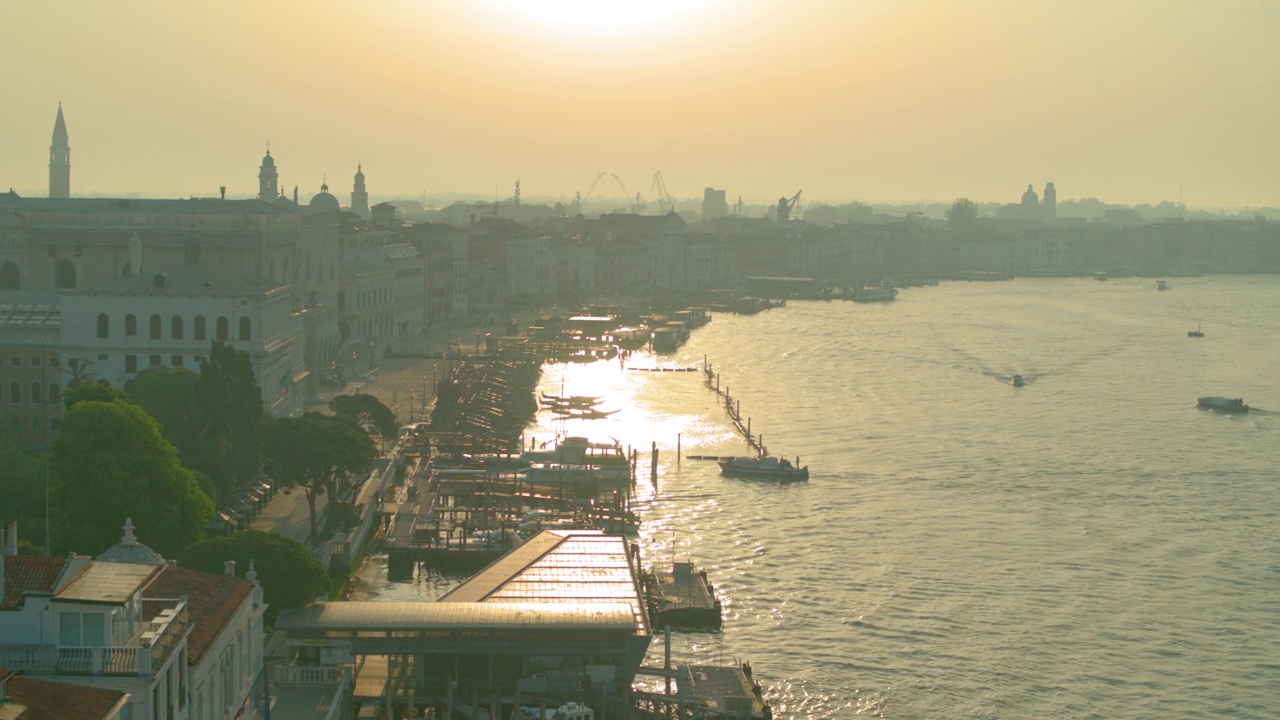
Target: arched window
(224, 329)
(155, 327)
(35, 393)
(104, 326)
(175, 327)
(55, 394)
(130, 325)
(10, 278)
(15, 393)
(64, 275)
(245, 330)
(197, 332)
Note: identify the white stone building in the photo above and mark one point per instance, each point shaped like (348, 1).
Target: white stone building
(169, 317)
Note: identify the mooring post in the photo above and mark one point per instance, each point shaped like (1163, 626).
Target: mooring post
(653, 464)
(678, 448)
(748, 428)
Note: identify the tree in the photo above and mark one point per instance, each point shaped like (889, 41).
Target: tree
(368, 412)
(22, 482)
(290, 577)
(231, 400)
(316, 453)
(963, 214)
(171, 397)
(110, 463)
(92, 391)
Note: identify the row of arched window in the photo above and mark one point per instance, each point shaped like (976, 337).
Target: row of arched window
(177, 328)
(37, 396)
(64, 276)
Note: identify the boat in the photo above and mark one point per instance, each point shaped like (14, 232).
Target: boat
(1100, 275)
(1016, 381)
(1162, 285)
(881, 293)
(764, 468)
(1222, 404)
(1195, 333)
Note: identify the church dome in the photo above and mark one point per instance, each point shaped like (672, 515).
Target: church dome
(1029, 197)
(268, 161)
(129, 550)
(324, 202)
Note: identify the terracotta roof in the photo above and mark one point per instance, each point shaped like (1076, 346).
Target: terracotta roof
(53, 700)
(212, 600)
(28, 573)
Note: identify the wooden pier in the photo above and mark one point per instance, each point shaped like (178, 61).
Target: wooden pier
(733, 407)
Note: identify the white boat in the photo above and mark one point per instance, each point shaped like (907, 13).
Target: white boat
(1100, 275)
(764, 468)
(1162, 285)
(879, 293)
(1222, 404)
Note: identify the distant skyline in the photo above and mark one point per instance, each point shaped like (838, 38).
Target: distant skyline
(1140, 101)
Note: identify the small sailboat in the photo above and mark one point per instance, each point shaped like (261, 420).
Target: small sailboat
(1195, 333)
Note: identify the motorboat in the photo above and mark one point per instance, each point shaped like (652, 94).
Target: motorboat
(1222, 404)
(1195, 333)
(764, 468)
(1162, 285)
(881, 293)
(1016, 381)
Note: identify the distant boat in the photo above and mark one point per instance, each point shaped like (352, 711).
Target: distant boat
(1016, 381)
(764, 468)
(1162, 285)
(1100, 275)
(1222, 404)
(1196, 332)
(885, 291)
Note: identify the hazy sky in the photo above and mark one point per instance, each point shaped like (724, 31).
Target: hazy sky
(872, 100)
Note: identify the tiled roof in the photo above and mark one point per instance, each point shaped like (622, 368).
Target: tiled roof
(28, 573)
(53, 700)
(212, 600)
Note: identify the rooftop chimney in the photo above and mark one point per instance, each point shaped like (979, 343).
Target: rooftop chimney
(229, 567)
(222, 190)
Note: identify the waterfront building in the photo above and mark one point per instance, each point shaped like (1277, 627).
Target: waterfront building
(60, 159)
(560, 612)
(182, 644)
(713, 204)
(168, 317)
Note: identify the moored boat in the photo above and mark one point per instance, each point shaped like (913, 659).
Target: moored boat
(764, 468)
(1195, 333)
(882, 293)
(1222, 404)
(1162, 285)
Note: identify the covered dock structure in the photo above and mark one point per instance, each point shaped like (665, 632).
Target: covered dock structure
(560, 617)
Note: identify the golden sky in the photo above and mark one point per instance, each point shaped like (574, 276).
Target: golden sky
(1129, 101)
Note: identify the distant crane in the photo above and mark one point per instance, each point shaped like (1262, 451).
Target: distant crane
(638, 204)
(665, 202)
(786, 205)
(592, 188)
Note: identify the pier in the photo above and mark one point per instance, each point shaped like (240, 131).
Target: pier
(733, 407)
(682, 597)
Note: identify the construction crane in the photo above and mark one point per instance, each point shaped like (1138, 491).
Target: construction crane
(665, 202)
(636, 205)
(786, 205)
(591, 188)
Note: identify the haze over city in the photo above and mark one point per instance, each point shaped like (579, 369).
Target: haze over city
(1135, 102)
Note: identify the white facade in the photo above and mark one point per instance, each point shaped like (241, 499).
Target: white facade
(170, 318)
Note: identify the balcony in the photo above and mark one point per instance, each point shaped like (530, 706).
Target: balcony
(151, 648)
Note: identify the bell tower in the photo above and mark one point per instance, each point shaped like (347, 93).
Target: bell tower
(268, 178)
(60, 160)
(359, 197)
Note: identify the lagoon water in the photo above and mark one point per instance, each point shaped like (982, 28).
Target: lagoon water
(1089, 545)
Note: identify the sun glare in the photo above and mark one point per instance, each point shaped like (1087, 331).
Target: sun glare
(601, 15)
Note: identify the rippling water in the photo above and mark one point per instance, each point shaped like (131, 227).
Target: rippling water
(1089, 545)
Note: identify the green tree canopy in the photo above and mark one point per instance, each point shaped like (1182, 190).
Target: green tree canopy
(110, 463)
(317, 453)
(369, 412)
(962, 214)
(231, 401)
(22, 484)
(170, 396)
(290, 577)
(92, 391)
